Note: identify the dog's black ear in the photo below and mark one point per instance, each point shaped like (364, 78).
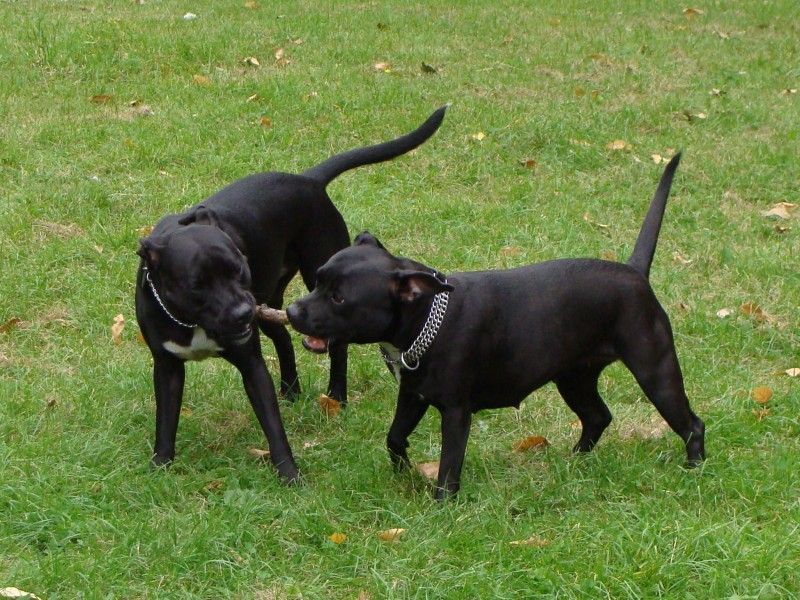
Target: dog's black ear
(201, 215)
(409, 286)
(150, 249)
(365, 238)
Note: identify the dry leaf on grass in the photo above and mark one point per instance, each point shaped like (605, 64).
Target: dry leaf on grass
(337, 538)
(782, 210)
(258, 453)
(510, 250)
(10, 324)
(528, 163)
(793, 372)
(618, 145)
(363, 595)
(724, 312)
(116, 328)
(201, 80)
(680, 258)
(12, 592)
(478, 136)
(588, 219)
(251, 4)
(788, 91)
(760, 413)
(761, 394)
(213, 485)
(383, 67)
(186, 411)
(329, 406)
(101, 99)
(251, 61)
(751, 309)
(252, 98)
(693, 12)
(429, 469)
(391, 535)
(535, 541)
(533, 442)
(265, 121)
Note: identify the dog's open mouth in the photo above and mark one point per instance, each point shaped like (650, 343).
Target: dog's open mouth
(315, 344)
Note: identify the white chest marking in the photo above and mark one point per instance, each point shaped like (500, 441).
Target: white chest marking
(394, 355)
(199, 348)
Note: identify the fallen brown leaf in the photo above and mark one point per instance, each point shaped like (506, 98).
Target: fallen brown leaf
(116, 328)
(337, 538)
(793, 372)
(429, 469)
(258, 453)
(251, 61)
(693, 12)
(761, 394)
(12, 592)
(679, 258)
(383, 67)
(391, 535)
(510, 250)
(760, 413)
(252, 98)
(10, 324)
(789, 91)
(535, 541)
(329, 406)
(782, 210)
(588, 219)
(101, 98)
(213, 485)
(724, 312)
(618, 145)
(265, 121)
(530, 443)
(186, 411)
(751, 309)
(528, 163)
(201, 80)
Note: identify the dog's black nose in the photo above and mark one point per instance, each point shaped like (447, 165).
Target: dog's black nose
(293, 312)
(242, 315)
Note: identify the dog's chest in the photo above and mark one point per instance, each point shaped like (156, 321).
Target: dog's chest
(201, 346)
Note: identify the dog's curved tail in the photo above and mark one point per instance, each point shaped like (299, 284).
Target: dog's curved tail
(327, 171)
(645, 248)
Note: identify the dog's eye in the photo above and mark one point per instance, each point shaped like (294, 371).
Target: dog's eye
(336, 298)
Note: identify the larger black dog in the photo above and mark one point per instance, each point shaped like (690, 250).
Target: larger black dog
(203, 271)
(488, 339)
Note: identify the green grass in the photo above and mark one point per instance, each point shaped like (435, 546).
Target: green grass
(81, 514)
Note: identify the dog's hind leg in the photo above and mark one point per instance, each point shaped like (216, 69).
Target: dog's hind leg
(649, 353)
(579, 390)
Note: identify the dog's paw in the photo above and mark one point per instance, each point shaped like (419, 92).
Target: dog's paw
(158, 462)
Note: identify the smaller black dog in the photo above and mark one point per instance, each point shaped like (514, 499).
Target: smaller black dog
(488, 339)
(203, 271)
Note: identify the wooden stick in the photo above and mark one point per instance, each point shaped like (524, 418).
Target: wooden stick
(272, 315)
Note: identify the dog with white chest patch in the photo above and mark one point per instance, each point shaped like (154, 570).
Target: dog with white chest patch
(203, 271)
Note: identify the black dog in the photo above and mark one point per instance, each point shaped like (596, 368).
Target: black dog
(488, 339)
(203, 271)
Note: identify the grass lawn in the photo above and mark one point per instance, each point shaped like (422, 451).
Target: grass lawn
(116, 113)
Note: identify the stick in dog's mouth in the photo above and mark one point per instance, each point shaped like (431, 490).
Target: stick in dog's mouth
(273, 315)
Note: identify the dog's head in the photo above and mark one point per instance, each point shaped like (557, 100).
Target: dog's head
(202, 277)
(361, 295)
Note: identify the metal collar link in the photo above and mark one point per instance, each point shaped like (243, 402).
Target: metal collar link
(410, 358)
(161, 302)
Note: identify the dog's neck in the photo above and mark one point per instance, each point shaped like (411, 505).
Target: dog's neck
(418, 330)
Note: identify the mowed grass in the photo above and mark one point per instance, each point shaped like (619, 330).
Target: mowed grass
(81, 513)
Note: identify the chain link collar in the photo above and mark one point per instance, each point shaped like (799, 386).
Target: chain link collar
(410, 358)
(161, 302)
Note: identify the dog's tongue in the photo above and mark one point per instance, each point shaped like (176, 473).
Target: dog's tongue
(315, 344)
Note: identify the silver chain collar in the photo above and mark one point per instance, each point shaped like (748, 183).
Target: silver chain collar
(410, 358)
(161, 302)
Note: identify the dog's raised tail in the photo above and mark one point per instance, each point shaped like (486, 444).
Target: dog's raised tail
(645, 248)
(327, 171)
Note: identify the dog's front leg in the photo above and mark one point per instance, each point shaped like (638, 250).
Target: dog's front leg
(337, 384)
(455, 432)
(407, 415)
(168, 378)
(261, 392)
